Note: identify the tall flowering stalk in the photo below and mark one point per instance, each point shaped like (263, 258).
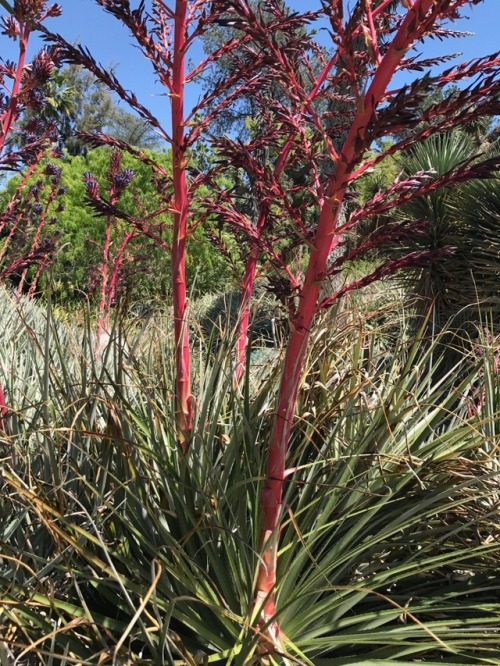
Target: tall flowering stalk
(420, 17)
(22, 148)
(44, 196)
(308, 127)
(110, 269)
(180, 206)
(165, 35)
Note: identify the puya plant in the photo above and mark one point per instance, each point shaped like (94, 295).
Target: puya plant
(165, 36)
(372, 41)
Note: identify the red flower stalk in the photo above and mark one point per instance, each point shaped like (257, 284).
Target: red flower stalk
(42, 211)
(111, 270)
(331, 146)
(180, 205)
(21, 90)
(164, 37)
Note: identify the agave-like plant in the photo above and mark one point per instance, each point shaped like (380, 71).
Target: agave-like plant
(389, 547)
(478, 204)
(465, 218)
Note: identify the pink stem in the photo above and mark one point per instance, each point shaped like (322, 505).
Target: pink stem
(184, 403)
(103, 308)
(34, 244)
(12, 110)
(118, 261)
(11, 233)
(373, 32)
(41, 268)
(244, 314)
(414, 24)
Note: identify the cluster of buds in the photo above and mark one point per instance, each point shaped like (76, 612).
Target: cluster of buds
(91, 185)
(27, 90)
(54, 171)
(22, 87)
(118, 184)
(122, 179)
(35, 11)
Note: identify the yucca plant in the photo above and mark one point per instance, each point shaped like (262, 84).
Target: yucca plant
(465, 218)
(478, 205)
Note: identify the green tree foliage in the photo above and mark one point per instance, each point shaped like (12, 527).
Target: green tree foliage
(81, 230)
(378, 179)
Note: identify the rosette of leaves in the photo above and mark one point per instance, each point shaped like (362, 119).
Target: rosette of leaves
(463, 217)
(389, 551)
(477, 204)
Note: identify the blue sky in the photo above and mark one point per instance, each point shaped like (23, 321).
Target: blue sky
(85, 21)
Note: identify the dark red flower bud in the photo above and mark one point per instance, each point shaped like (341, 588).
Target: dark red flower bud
(11, 27)
(91, 185)
(36, 99)
(54, 10)
(52, 169)
(42, 66)
(122, 179)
